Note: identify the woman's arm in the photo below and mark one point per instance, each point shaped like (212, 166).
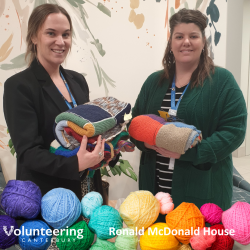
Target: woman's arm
(230, 132)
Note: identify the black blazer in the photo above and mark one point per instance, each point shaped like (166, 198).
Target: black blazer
(31, 102)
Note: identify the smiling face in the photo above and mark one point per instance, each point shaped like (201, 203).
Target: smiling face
(53, 40)
(187, 43)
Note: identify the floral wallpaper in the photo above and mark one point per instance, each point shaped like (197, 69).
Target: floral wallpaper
(88, 37)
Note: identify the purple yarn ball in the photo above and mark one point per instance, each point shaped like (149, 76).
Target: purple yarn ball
(7, 236)
(21, 199)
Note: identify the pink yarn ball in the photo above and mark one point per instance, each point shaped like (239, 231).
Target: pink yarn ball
(166, 202)
(238, 218)
(203, 240)
(212, 213)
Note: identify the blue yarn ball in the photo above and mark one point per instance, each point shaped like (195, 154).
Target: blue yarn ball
(31, 239)
(103, 219)
(21, 199)
(90, 202)
(60, 208)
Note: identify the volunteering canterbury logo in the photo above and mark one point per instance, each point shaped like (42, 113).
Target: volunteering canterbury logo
(8, 233)
(49, 232)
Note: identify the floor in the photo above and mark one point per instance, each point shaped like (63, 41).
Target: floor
(243, 166)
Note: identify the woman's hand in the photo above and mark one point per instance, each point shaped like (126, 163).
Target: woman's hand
(88, 159)
(167, 153)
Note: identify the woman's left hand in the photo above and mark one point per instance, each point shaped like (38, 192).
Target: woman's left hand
(167, 153)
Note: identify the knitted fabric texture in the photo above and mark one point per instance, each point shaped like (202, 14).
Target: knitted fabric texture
(21, 199)
(102, 244)
(126, 240)
(75, 139)
(186, 216)
(7, 224)
(174, 136)
(34, 241)
(140, 209)
(223, 241)
(238, 218)
(90, 202)
(92, 118)
(185, 247)
(104, 218)
(166, 202)
(81, 239)
(202, 240)
(60, 208)
(159, 239)
(212, 213)
(111, 149)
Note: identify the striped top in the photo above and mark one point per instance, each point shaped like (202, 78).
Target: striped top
(164, 175)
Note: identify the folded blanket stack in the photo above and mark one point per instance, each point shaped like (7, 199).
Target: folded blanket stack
(103, 116)
(174, 136)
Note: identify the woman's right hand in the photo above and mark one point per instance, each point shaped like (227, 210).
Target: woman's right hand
(150, 146)
(88, 159)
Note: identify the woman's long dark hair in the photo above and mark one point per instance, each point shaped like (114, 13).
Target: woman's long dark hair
(206, 65)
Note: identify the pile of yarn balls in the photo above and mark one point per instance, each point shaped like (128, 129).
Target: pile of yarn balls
(140, 210)
(60, 209)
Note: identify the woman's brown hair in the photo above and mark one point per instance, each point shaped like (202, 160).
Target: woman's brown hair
(36, 20)
(206, 65)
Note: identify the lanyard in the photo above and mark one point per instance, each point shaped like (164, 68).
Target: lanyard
(72, 98)
(173, 110)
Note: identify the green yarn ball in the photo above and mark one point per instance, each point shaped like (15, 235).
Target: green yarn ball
(128, 240)
(102, 244)
(104, 222)
(81, 239)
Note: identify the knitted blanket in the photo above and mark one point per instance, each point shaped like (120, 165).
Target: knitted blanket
(111, 149)
(174, 136)
(101, 116)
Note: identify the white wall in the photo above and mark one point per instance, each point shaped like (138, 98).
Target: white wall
(131, 54)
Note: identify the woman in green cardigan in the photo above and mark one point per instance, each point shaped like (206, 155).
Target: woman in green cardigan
(205, 96)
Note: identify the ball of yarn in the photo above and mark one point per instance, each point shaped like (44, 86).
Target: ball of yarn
(90, 202)
(187, 217)
(60, 208)
(158, 236)
(223, 241)
(212, 213)
(166, 202)
(21, 199)
(36, 235)
(102, 244)
(77, 236)
(140, 209)
(126, 240)
(203, 240)
(185, 247)
(7, 236)
(104, 222)
(238, 218)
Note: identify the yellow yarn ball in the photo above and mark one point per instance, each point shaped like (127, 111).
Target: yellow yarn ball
(140, 209)
(156, 238)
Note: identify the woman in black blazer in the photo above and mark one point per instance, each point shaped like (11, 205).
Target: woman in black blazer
(35, 96)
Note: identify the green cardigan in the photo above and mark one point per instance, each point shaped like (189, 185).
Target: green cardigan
(204, 173)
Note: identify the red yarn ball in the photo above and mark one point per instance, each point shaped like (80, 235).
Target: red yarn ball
(212, 213)
(223, 241)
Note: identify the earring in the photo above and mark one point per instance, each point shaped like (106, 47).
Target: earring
(203, 50)
(171, 51)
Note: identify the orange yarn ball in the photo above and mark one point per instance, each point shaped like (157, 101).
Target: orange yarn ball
(185, 219)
